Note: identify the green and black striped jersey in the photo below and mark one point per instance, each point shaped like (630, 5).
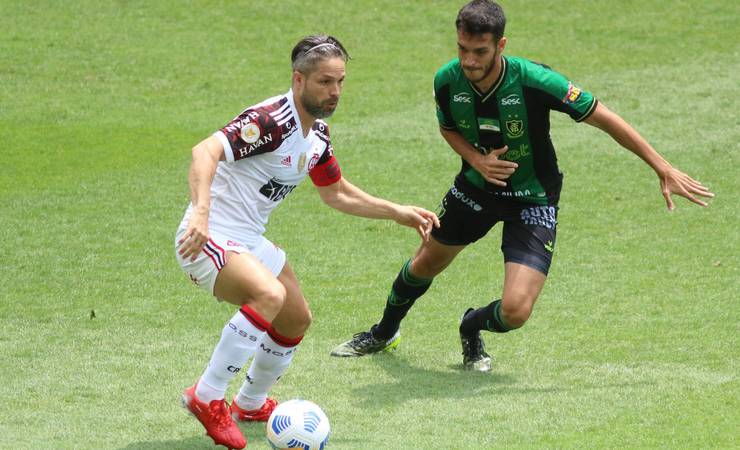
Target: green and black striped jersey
(514, 112)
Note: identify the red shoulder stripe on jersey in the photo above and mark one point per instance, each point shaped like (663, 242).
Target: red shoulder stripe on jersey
(326, 173)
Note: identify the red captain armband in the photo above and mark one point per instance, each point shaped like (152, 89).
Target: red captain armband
(326, 173)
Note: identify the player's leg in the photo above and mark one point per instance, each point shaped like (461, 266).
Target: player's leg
(464, 219)
(243, 281)
(527, 245)
(240, 279)
(274, 353)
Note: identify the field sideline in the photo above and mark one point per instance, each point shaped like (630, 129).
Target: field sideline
(633, 343)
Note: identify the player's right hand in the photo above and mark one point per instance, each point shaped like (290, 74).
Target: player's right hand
(493, 169)
(195, 237)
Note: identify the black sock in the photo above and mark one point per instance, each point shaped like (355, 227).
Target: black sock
(404, 292)
(486, 318)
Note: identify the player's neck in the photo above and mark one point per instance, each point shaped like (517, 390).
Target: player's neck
(485, 84)
(307, 120)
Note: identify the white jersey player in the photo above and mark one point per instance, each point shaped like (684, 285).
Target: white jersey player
(237, 177)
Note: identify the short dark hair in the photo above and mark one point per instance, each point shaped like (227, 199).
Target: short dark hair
(312, 49)
(480, 17)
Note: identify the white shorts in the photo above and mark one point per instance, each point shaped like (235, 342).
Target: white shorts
(204, 270)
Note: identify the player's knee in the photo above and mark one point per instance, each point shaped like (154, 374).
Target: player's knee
(517, 312)
(303, 321)
(271, 297)
(423, 266)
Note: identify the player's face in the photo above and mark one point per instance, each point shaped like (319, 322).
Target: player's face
(321, 88)
(478, 54)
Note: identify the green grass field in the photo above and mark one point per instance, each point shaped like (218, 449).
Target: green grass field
(633, 343)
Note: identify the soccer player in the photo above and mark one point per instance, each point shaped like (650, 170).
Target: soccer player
(493, 110)
(237, 177)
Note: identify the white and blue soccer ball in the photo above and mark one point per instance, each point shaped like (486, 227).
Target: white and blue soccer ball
(298, 424)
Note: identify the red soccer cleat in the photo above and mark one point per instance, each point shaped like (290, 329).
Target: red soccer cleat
(216, 420)
(253, 415)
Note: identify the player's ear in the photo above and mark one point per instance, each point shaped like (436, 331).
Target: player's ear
(298, 79)
(501, 43)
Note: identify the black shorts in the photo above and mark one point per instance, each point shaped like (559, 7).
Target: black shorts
(467, 214)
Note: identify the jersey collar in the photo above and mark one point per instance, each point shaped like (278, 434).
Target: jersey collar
(486, 95)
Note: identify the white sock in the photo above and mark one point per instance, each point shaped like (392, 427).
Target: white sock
(239, 339)
(271, 360)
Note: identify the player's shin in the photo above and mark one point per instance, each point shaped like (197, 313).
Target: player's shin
(404, 292)
(272, 358)
(239, 339)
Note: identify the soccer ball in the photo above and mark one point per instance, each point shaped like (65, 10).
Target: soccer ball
(298, 424)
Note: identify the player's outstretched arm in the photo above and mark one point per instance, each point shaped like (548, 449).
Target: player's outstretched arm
(672, 180)
(202, 169)
(348, 198)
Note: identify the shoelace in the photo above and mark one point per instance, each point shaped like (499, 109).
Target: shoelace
(474, 346)
(220, 412)
(362, 338)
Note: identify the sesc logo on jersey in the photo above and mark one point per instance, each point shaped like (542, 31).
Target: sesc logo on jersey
(574, 93)
(250, 133)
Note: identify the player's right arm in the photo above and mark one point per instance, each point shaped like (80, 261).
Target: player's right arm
(493, 170)
(206, 156)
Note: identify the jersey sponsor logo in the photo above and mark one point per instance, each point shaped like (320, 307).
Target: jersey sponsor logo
(574, 93)
(260, 141)
(511, 99)
(514, 154)
(231, 243)
(291, 130)
(489, 124)
(250, 133)
(462, 97)
(463, 124)
(276, 191)
(514, 128)
(465, 199)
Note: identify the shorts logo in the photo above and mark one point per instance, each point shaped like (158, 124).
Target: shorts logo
(465, 199)
(574, 93)
(250, 133)
(463, 124)
(514, 128)
(511, 99)
(462, 97)
(542, 216)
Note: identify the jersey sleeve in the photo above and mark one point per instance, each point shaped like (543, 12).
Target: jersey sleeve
(559, 93)
(326, 170)
(442, 100)
(251, 133)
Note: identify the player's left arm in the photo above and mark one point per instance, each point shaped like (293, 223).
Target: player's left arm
(348, 198)
(672, 180)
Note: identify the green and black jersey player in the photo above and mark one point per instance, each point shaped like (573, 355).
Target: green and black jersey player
(493, 110)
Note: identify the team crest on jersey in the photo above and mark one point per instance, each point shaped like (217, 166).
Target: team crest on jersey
(514, 128)
(250, 133)
(574, 93)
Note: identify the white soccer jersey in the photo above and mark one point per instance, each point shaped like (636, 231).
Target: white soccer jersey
(266, 157)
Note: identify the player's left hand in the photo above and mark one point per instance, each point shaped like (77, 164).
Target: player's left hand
(419, 219)
(673, 181)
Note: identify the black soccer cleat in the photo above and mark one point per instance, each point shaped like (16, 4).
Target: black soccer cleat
(366, 343)
(473, 350)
